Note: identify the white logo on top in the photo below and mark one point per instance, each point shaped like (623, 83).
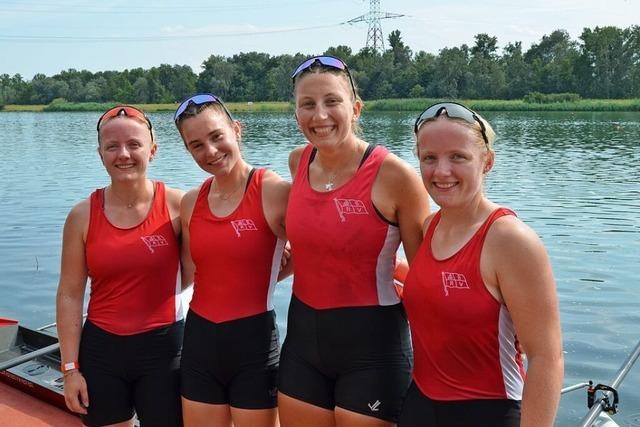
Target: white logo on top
(243, 225)
(350, 207)
(154, 241)
(453, 281)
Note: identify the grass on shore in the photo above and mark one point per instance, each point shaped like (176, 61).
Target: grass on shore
(412, 104)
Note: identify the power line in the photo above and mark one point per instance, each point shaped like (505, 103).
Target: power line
(156, 9)
(108, 39)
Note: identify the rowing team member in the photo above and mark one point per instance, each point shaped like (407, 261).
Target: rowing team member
(347, 357)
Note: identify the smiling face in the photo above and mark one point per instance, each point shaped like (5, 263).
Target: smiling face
(212, 140)
(325, 108)
(452, 162)
(125, 148)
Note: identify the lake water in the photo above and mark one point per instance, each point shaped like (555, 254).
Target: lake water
(575, 178)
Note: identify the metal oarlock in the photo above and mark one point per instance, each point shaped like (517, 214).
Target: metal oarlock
(607, 406)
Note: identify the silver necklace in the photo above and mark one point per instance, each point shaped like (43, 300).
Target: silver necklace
(129, 205)
(330, 184)
(227, 196)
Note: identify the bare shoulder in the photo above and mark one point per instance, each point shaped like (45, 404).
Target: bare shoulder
(427, 221)
(274, 183)
(76, 225)
(510, 238)
(399, 181)
(294, 159)
(188, 200)
(396, 170)
(80, 213)
(174, 196)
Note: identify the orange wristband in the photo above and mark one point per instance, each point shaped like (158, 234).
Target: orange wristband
(69, 366)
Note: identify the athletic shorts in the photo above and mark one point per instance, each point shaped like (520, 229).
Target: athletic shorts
(127, 373)
(356, 358)
(234, 363)
(420, 411)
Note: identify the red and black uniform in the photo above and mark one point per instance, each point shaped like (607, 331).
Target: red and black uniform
(464, 341)
(230, 353)
(347, 340)
(130, 342)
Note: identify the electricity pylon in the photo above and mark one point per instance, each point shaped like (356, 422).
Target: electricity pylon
(375, 40)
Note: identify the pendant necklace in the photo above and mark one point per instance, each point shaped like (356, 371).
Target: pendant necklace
(330, 184)
(226, 196)
(129, 205)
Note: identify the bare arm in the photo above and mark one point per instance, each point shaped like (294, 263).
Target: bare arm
(69, 302)
(400, 196)
(523, 274)
(174, 202)
(186, 209)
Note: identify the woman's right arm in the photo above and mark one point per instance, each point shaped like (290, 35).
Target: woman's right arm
(69, 303)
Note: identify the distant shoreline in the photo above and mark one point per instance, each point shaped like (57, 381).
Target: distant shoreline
(412, 104)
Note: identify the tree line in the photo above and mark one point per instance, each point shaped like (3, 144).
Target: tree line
(603, 63)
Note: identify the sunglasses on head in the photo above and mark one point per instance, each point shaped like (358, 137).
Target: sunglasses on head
(127, 111)
(454, 110)
(199, 99)
(326, 61)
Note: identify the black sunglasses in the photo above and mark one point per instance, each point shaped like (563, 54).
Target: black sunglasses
(454, 110)
(326, 61)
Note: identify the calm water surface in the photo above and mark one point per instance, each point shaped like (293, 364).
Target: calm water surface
(575, 178)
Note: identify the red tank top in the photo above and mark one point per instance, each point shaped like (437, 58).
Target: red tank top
(237, 257)
(135, 272)
(464, 342)
(343, 251)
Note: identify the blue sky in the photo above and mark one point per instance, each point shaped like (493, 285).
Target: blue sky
(48, 36)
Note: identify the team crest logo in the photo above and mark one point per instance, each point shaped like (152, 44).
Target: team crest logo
(350, 207)
(243, 225)
(453, 281)
(154, 241)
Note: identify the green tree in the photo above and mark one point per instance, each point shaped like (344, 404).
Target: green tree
(401, 52)
(609, 53)
(552, 63)
(216, 77)
(516, 71)
(450, 73)
(486, 77)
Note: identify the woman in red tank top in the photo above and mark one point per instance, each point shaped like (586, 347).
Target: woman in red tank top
(479, 293)
(126, 239)
(233, 225)
(346, 359)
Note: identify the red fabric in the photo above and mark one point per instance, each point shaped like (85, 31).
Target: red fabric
(456, 325)
(7, 322)
(134, 272)
(237, 257)
(343, 251)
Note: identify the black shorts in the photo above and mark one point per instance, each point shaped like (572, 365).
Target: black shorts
(420, 411)
(233, 362)
(127, 373)
(356, 358)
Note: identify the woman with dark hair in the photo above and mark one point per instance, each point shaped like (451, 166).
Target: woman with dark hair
(233, 226)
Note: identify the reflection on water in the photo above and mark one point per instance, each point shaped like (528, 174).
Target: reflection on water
(574, 177)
